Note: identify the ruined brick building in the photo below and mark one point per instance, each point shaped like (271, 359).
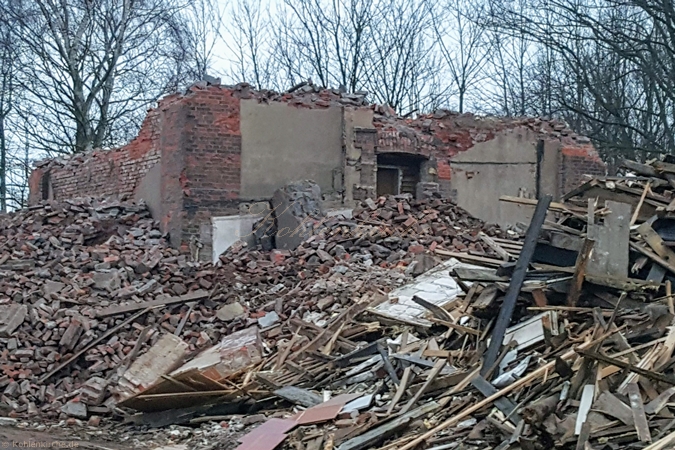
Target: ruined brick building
(202, 157)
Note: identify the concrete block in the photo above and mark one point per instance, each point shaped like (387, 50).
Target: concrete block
(297, 207)
(11, 316)
(107, 281)
(75, 409)
(167, 353)
(233, 354)
(230, 312)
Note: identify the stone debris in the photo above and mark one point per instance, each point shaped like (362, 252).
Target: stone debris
(409, 325)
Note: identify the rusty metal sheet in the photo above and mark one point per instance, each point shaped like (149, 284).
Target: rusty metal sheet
(324, 411)
(268, 435)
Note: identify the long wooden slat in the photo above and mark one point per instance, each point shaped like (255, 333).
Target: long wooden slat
(509, 303)
(540, 372)
(122, 309)
(579, 272)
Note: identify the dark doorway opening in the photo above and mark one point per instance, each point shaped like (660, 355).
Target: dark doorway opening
(398, 173)
(388, 181)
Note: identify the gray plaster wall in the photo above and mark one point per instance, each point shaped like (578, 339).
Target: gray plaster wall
(505, 165)
(549, 170)
(281, 143)
(353, 118)
(150, 190)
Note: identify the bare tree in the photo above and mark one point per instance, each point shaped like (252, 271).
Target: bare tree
(463, 43)
(95, 66)
(613, 62)
(402, 64)
(202, 24)
(250, 41)
(326, 40)
(9, 67)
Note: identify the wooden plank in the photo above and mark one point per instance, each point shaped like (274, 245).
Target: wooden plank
(584, 407)
(122, 309)
(584, 435)
(517, 279)
(608, 404)
(619, 363)
(437, 311)
(610, 253)
(380, 432)
(403, 385)
(539, 298)
(639, 205)
(486, 297)
(579, 272)
(656, 258)
(438, 366)
(554, 206)
(656, 405)
(639, 416)
(299, 396)
(540, 372)
(504, 404)
(494, 246)
(92, 344)
(470, 258)
(640, 169)
(656, 273)
(653, 239)
(470, 274)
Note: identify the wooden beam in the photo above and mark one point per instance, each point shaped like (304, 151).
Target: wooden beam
(540, 372)
(624, 365)
(641, 424)
(656, 258)
(92, 344)
(639, 205)
(509, 303)
(494, 246)
(579, 272)
(380, 432)
(640, 169)
(123, 309)
(560, 207)
(503, 404)
(653, 239)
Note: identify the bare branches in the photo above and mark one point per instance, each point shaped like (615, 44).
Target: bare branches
(90, 57)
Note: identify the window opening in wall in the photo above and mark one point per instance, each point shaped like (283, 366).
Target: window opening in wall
(46, 186)
(398, 174)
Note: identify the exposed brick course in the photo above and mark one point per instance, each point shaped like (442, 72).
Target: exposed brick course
(196, 138)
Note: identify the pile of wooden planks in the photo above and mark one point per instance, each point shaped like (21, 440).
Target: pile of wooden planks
(477, 352)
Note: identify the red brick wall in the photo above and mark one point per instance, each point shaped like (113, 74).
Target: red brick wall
(577, 162)
(442, 135)
(197, 140)
(106, 173)
(212, 174)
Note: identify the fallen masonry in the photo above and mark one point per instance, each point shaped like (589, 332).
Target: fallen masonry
(411, 325)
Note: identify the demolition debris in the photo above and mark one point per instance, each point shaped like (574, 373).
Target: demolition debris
(410, 325)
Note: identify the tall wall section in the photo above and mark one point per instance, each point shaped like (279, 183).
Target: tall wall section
(214, 149)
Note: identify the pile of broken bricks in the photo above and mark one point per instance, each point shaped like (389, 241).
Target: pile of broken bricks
(479, 340)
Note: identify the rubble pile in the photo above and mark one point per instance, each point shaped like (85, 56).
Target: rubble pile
(453, 334)
(73, 274)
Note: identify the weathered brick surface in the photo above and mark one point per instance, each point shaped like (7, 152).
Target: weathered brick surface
(577, 164)
(196, 139)
(212, 162)
(104, 172)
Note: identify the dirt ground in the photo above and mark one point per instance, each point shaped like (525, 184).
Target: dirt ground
(114, 436)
